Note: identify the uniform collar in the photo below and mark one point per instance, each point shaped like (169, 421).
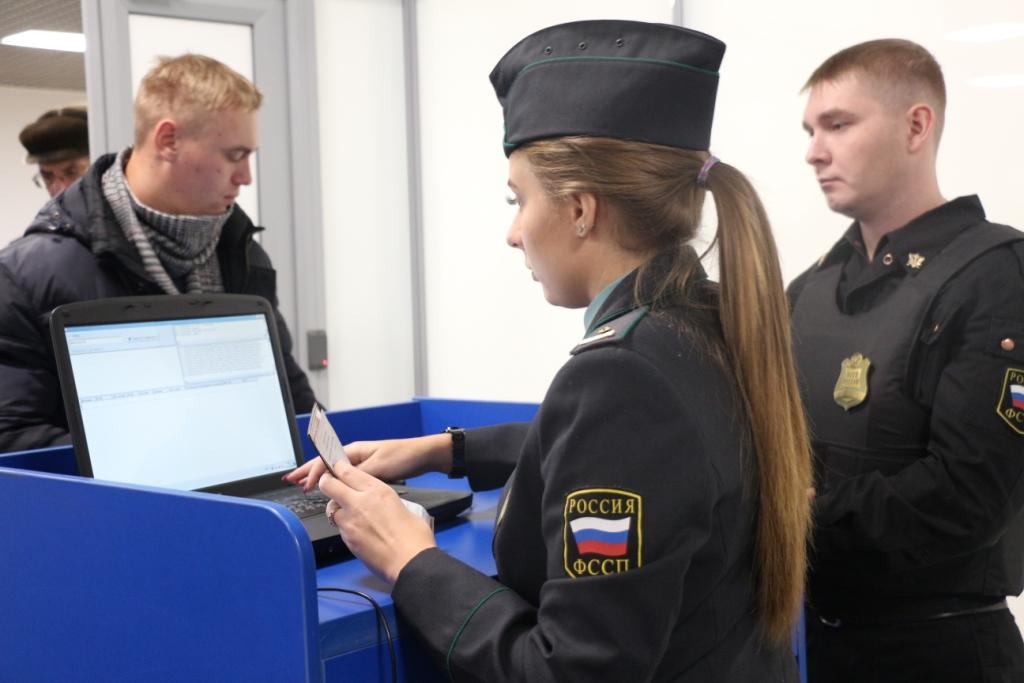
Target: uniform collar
(602, 296)
(622, 297)
(912, 245)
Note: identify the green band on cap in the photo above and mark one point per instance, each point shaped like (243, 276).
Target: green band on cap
(665, 62)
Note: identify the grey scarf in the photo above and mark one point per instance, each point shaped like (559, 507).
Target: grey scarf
(171, 246)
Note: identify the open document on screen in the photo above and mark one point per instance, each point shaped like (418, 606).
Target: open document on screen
(181, 404)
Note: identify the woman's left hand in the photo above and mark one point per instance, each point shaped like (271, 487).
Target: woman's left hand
(373, 522)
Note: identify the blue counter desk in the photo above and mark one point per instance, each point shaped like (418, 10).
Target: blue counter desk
(105, 581)
(350, 637)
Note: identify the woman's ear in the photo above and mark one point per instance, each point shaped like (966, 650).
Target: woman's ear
(584, 208)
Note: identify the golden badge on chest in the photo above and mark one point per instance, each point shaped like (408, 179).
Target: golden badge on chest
(852, 386)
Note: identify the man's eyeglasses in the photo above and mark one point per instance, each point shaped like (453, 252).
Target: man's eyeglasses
(49, 178)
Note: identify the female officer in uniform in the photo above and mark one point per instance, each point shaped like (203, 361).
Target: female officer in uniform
(654, 520)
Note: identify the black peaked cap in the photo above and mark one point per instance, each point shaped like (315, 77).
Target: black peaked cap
(620, 79)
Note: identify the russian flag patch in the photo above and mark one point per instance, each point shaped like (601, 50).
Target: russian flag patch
(597, 536)
(1010, 407)
(602, 533)
(1017, 396)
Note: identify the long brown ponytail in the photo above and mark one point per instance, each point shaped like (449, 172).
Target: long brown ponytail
(755, 322)
(659, 200)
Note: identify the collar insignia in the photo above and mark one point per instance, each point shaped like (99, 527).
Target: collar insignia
(600, 333)
(915, 261)
(613, 330)
(852, 385)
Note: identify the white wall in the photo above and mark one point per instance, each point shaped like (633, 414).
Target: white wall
(757, 124)
(365, 201)
(491, 334)
(22, 199)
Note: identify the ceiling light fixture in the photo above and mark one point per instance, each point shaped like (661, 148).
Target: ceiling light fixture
(988, 33)
(47, 40)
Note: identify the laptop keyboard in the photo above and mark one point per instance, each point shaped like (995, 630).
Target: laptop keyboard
(314, 502)
(304, 504)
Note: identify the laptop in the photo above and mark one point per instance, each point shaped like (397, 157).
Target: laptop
(189, 392)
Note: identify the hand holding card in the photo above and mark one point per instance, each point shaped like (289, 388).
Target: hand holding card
(325, 439)
(328, 447)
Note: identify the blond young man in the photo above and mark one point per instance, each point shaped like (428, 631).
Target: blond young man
(909, 339)
(157, 218)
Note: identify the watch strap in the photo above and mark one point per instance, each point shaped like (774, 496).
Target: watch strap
(458, 469)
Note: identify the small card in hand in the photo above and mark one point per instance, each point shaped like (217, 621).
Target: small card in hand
(325, 439)
(328, 447)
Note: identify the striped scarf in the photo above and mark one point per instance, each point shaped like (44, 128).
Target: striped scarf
(171, 246)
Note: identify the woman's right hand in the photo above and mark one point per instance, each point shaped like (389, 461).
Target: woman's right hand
(307, 475)
(389, 459)
(393, 459)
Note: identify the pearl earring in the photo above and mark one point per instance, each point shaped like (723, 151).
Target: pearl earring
(581, 229)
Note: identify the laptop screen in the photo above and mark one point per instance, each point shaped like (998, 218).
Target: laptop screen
(181, 404)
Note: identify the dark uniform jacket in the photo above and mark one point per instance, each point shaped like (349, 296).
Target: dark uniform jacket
(624, 537)
(75, 250)
(919, 475)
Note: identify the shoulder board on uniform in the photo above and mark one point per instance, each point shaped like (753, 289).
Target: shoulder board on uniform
(611, 331)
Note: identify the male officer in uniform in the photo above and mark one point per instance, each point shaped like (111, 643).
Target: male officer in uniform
(59, 142)
(909, 339)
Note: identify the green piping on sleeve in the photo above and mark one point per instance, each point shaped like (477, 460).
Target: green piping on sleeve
(465, 623)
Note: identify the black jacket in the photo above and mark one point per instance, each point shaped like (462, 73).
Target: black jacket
(624, 538)
(74, 250)
(921, 481)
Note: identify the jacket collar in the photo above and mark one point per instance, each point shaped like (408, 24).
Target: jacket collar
(82, 212)
(924, 236)
(624, 297)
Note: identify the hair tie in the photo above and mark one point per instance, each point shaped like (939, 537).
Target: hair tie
(702, 177)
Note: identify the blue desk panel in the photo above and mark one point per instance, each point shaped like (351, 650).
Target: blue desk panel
(351, 642)
(56, 460)
(106, 581)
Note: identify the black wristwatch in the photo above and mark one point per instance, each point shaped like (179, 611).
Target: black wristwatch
(458, 470)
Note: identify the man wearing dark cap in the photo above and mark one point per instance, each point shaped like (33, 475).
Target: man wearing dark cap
(909, 337)
(157, 218)
(59, 142)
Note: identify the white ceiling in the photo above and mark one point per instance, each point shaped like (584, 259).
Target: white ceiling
(35, 68)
